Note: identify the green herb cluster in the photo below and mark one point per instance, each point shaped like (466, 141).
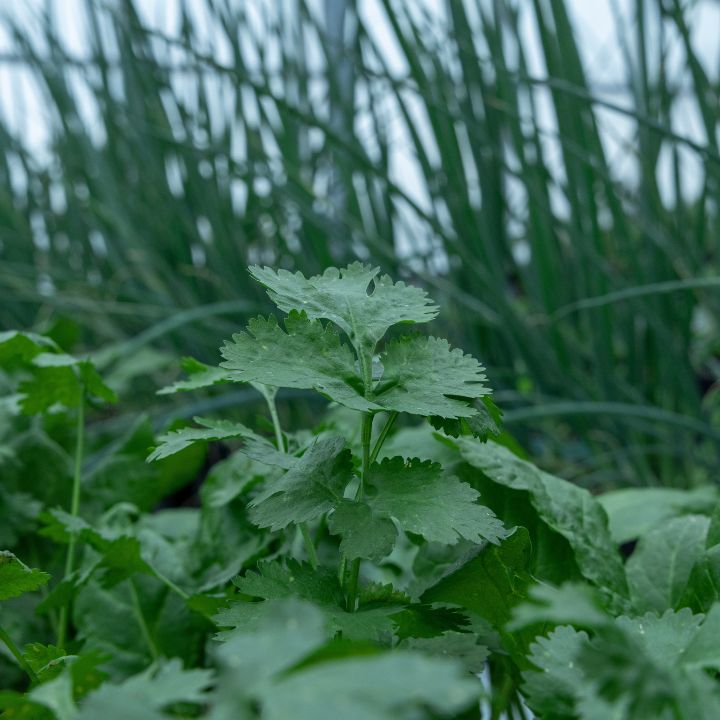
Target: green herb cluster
(400, 559)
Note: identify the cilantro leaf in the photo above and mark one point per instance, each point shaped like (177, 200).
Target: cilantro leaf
(306, 355)
(342, 297)
(424, 501)
(364, 533)
(144, 696)
(177, 440)
(277, 581)
(270, 665)
(16, 578)
(312, 487)
(200, 376)
(425, 376)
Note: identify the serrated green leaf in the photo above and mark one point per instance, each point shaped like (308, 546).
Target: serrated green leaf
(425, 376)
(567, 509)
(554, 691)
(144, 696)
(16, 578)
(275, 581)
(364, 534)
(570, 604)
(200, 376)
(306, 355)
(177, 440)
(424, 501)
(659, 569)
(312, 487)
(362, 304)
(486, 421)
(454, 645)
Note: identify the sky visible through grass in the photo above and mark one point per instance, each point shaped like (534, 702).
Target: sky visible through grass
(604, 29)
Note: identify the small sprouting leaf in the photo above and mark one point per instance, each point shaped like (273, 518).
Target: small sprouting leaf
(425, 376)
(57, 379)
(16, 578)
(306, 355)
(200, 376)
(424, 501)
(362, 304)
(312, 487)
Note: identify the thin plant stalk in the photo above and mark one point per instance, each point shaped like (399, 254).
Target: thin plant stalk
(74, 510)
(367, 421)
(304, 530)
(17, 654)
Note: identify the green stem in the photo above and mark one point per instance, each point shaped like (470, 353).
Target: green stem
(383, 435)
(74, 510)
(276, 422)
(309, 545)
(170, 584)
(366, 433)
(304, 530)
(141, 620)
(15, 650)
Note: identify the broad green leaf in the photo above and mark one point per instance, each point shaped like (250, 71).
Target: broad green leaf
(177, 440)
(16, 578)
(632, 512)
(312, 487)
(659, 568)
(703, 651)
(491, 583)
(424, 501)
(200, 376)
(363, 304)
(56, 695)
(306, 355)
(703, 585)
(425, 376)
(364, 533)
(568, 509)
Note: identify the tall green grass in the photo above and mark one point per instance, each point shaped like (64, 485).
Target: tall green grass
(592, 297)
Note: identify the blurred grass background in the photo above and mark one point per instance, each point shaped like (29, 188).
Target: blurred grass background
(585, 274)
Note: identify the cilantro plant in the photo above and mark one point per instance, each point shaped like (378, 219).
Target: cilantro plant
(397, 557)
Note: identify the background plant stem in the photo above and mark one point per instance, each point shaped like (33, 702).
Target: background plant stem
(15, 650)
(74, 510)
